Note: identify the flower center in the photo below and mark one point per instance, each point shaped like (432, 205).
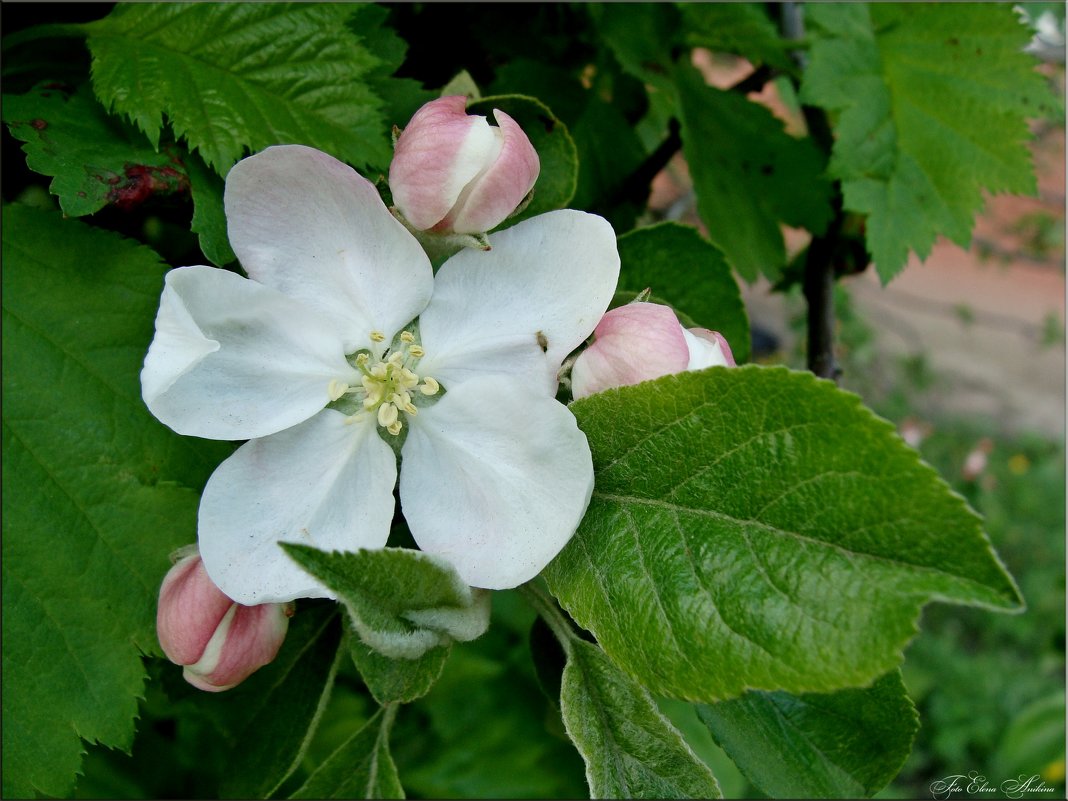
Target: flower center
(387, 383)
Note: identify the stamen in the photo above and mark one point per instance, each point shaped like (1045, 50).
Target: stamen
(335, 389)
(362, 359)
(429, 386)
(378, 336)
(352, 418)
(417, 351)
(407, 337)
(387, 415)
(396, 358)
(395, 428)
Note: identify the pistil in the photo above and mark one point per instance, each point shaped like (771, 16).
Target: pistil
(386, 384)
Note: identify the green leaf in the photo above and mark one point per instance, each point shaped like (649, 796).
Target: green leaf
(398, 680)
(92, 499)
(94, 158)
(848, 744)
(684, 269)
(741, 28)
(272, 716)
(749, 175)
(556, 150)
(402, 96)
(757, 528)
(209, 216)
(609, 152)
(641, 36)
(401, 602)
(630, 749)
(361, 768)
(932, 103)
(235, 76)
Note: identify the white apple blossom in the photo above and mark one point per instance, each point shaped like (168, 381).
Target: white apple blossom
(342, 344)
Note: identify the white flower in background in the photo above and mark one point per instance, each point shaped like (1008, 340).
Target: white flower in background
(317, 362)
(642, 341)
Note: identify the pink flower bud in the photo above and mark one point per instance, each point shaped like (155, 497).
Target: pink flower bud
(455, 173)
(219, 642)
(642, 341)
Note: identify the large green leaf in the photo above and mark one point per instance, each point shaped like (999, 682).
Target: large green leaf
(91, 503)
(556, 150)
(401, 602)
(757, 528)
(631, 750)
(94, 158)
(932, 102)
(749, 174)
(684, 269)
(361, 767)
(848, 744)
(231, 76)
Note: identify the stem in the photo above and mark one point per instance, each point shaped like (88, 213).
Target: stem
(818, 283)
(545, 605)
(819, 293)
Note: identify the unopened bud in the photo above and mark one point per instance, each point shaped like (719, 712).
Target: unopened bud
(454, 173)
(642, 341)
(220, 643)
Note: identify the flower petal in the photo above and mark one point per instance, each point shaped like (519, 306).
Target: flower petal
(309, 226)
(233, 359)
(501, 188)
(707, 349)
(523, 306)
(632, 343)
(323, 483)
(495, 478)
(439, 152)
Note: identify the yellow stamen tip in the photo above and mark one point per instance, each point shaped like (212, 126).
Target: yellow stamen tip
(407, 336)
(417, 351)
(378, 336)
(395, 427)
(429, 386)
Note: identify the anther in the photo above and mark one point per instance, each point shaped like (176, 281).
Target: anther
(417, 351)
(394, 428)
(407, 337)
(335, 389)
(387, 415)
(378, 336)
(429, 386)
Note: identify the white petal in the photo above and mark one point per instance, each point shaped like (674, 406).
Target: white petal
(495, 478)
(706, 349)
(323, 483)
(308, 225)
(523, 306)
(233, 359)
